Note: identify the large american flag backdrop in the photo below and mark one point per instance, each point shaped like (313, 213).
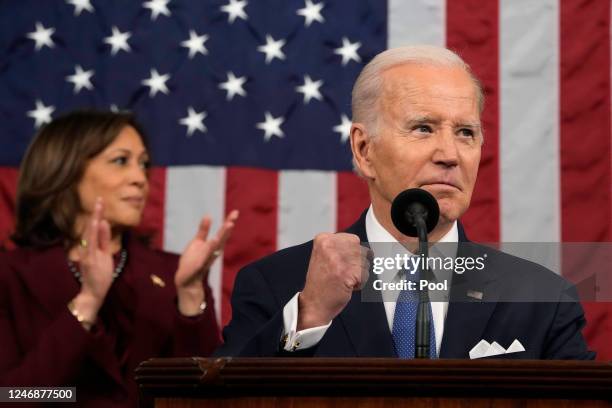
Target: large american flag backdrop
(247, 105)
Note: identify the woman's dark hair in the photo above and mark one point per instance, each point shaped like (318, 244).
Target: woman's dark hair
(47, 197)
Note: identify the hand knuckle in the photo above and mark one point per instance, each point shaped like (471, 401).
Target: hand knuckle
(319, 239)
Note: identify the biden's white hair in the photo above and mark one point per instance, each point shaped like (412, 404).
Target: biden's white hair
(368, 87)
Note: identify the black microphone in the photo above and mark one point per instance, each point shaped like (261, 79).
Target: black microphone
(415, 213)
(412, 206)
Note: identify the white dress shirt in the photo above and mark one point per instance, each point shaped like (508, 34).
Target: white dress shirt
(296, 340)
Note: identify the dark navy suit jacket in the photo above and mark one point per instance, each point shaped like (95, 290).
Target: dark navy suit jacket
(547, 330)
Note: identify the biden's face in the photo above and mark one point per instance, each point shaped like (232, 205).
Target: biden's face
(427, 135)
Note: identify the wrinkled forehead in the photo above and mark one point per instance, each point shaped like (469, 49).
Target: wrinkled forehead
(412, 85)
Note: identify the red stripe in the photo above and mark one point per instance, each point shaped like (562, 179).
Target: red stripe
(8, 190)
(254, 192)
(154, 213)
(585, 120)
(352, 197)
(472, 30)
(585, 142)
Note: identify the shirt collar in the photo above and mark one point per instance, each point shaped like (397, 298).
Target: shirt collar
(377, 233)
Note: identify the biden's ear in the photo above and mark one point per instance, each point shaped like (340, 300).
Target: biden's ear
(361, 143)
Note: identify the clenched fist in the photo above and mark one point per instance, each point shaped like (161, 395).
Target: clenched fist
(338, 266)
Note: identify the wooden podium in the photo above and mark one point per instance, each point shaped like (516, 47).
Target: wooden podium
(372, 382)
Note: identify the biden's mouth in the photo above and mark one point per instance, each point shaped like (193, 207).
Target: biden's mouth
(441, 184)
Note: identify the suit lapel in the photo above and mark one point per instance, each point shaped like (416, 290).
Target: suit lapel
(367, 328)
(152, 293)
(46, 275)
(473, 298)
(366, 321)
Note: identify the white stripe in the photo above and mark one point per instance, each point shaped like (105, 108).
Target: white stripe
(529, 142)
(416, 22)
(529, 122)
(191, 193)
(307, 205)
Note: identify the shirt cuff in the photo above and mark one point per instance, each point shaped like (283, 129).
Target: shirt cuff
(292, 339)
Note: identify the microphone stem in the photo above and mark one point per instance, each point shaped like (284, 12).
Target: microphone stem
(422, 232)
(423, 319)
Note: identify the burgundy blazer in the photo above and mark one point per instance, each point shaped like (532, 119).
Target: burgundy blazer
(42, 344)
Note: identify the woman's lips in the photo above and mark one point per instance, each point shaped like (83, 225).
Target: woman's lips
(134, 201)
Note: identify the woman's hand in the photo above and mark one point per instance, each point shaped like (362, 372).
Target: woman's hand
(195, 263)
(96, 267)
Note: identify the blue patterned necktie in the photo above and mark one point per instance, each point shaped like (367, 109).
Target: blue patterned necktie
(404, 322)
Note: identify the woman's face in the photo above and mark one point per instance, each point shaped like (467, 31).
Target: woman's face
(119, 175)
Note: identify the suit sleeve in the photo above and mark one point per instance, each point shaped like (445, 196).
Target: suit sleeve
(565, 340)
(56, 356)
(257, 318)
(196, 336)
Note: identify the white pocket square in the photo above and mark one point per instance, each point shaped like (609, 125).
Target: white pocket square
(515, 347)
(486, 349)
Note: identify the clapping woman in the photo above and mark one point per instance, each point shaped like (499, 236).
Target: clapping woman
(82, 300)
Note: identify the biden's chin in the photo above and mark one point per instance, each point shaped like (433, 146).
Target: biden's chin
(450, 210)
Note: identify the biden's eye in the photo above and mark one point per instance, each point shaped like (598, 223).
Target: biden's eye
(423, 128)
(466, 132)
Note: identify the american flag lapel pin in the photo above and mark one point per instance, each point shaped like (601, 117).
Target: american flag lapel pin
(474, 294)
(157, 281)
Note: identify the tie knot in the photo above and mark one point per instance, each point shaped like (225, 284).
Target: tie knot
(410, 272)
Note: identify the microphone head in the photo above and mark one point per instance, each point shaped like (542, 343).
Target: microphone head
(408, 204)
